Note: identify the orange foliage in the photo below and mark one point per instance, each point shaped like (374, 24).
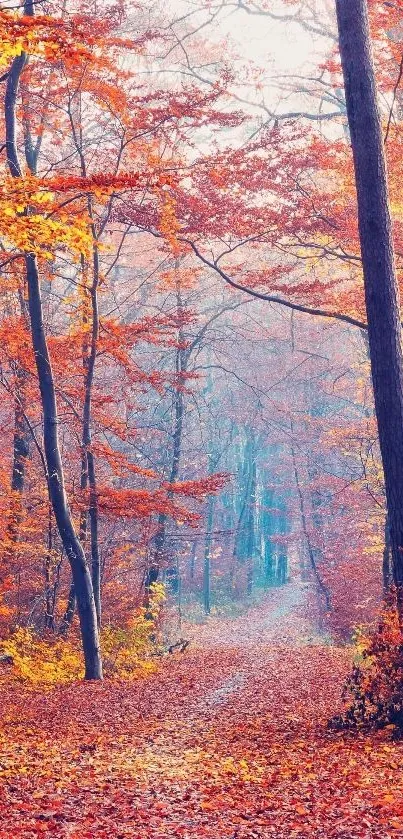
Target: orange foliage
(374, 691)
(221, 741)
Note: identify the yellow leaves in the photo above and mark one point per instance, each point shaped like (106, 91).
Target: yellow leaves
(41, 662)
(157, 597)
(32, 222)
(396, 209)
(12, 43)
(41, 215)
(37, 234)
(42, 197)
(387, 798)
(10, 50)
(129, 651)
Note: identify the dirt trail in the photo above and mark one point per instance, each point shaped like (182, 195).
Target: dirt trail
(227, 741)
(280, 618)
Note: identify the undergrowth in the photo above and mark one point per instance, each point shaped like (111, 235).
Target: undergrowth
(373, 693)
(128, 651)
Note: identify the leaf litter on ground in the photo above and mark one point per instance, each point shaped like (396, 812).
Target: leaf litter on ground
(225, 741)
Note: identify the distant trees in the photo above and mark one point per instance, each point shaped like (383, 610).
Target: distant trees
(328, 235)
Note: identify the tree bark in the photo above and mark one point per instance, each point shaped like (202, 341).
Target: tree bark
(207, 556)
(21, 435)
(322, 588)
(386, 569)
(71, 543)
(381, 290)
(20, 456)
(181, 362)
(57, 494)
(89, 366)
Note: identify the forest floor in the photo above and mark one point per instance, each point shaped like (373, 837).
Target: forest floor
(225, 741)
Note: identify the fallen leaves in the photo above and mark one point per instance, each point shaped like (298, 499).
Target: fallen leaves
(221, 743)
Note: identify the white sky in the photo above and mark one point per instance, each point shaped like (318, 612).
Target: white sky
(275, 47)
(268, 42)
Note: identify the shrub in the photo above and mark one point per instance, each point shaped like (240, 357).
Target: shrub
(374, 691)
(44, 661)
(127, 651)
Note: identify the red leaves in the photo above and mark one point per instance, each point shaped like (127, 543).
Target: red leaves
(200, 488)
(141, 503)
(73, 37)
(101, 184)
(222, 742)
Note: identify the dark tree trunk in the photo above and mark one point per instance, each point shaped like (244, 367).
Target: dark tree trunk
(70, 610)
(90, 348)
(50, 591)
(89, 365)
(20, 456)
(208, 543)
(381, 291)
(71, 600)
(21, 436)
(57, 494)
(71, 543)
(244, 541)
(250, 522)
(192, 562)
(88, 472)
(386, 564)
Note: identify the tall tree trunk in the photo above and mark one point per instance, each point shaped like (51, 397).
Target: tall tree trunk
(386, 569)
(160, 539)
(181, 362)
(71, 543)
(207, 556)
(381, 290)
(21, 430)
(213, 461)
(50, 591)
(21, 434)
(57, 494)
(250, 520)
(20, 455)
(89, 364)
(68, 616)
(89, 360)
(192, 561)
(245, 536)
(267, 520)
(90, 348)
(322, 588)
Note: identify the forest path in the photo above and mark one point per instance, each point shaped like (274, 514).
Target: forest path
(280, 618)
(223, 742)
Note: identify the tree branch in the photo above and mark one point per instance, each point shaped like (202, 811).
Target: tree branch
(273, 298)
